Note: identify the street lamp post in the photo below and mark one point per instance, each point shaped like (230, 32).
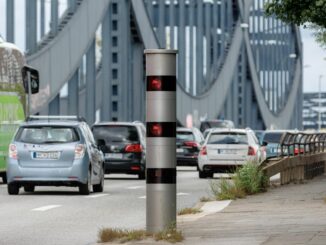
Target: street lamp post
(319, 104)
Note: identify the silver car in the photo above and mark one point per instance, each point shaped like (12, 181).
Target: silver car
(54, 152)
(226, 149)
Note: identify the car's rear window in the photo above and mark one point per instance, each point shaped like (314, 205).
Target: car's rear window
(272, 137)
(47, 134)
(185, 136)
(228, 138)
(116, 133)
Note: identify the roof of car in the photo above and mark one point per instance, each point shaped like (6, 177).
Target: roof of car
(51, 122)
(182, 129)
(237, 130)
(118, 123)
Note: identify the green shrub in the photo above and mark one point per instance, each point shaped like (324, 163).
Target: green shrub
(247, 180)
(251, 178)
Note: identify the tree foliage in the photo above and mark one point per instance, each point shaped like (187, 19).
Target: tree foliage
(309, 13)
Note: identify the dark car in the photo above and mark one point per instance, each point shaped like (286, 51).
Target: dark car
(124, 148)
(188, 146)
(272, 140)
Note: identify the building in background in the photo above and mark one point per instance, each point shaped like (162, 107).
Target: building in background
(311, 108)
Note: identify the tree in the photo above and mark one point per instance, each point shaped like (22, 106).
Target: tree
(309, 13)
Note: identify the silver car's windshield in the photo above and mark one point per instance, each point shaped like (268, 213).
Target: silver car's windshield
(228, 138)
(47, 135)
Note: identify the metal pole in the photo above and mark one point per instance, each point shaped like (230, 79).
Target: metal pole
(319, 104)
(29, 94)
(160, 140)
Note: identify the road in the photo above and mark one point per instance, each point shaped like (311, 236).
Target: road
(59, 215)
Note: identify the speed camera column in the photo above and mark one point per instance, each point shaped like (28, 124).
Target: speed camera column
(161, 139)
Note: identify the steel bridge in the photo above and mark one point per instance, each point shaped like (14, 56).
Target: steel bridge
(233, 61)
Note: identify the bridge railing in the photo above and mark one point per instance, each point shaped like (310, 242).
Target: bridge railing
(302, 156)
(293, 144)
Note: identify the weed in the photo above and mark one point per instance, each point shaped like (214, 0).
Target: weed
(171, 235)
(205, 199)
(249, 179)
(189, 211)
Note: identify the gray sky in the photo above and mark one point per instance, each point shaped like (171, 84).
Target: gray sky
(313, 61)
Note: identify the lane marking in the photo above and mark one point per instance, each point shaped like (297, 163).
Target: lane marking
(134, 187)
(96, 195)
(142, 197)
(182, 194)
(46, 208)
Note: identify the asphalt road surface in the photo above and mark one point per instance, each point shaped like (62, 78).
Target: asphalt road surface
(60, 216)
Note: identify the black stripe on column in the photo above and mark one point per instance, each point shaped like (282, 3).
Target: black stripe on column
(161, 83)
(161, 129)
(161, 176)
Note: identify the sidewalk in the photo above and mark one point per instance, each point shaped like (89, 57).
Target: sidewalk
(290, 214)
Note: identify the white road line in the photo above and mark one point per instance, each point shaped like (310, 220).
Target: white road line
(46, 208)
(142, 197)
(182, 194)
(96, 195)
(134, 187)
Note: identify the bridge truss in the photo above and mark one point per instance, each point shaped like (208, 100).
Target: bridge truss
(233, 61)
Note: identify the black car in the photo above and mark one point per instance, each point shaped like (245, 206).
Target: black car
(189, 142)
(125, 146)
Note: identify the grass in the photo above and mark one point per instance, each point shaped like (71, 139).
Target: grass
(110, 235)
(205, 199)
(248, 180)
(189, 211)
(171, 235)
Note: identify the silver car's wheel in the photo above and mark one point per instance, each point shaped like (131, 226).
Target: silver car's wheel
(13, 189)
(99, 187)
(85, 189)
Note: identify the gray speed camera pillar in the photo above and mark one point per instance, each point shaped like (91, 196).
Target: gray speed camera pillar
(160, 140)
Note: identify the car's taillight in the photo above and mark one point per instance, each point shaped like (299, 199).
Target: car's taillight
(13, 153)
(296, 151)
(79, 151)
(133, 148)
(251, 151)
(191, 143)
(203, 151)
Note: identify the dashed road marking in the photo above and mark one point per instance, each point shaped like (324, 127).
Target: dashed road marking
(46, 208)
(182, 194)
(134, 187)
(142, 197)
(96, 195)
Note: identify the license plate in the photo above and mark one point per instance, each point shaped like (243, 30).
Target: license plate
(113, 155)
(46, 155)
(180, 150)
(226, 151)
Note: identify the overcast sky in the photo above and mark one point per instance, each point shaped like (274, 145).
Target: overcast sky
(314, 60)
(314, 56)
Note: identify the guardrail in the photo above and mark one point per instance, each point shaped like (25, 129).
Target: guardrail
(302, 156)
